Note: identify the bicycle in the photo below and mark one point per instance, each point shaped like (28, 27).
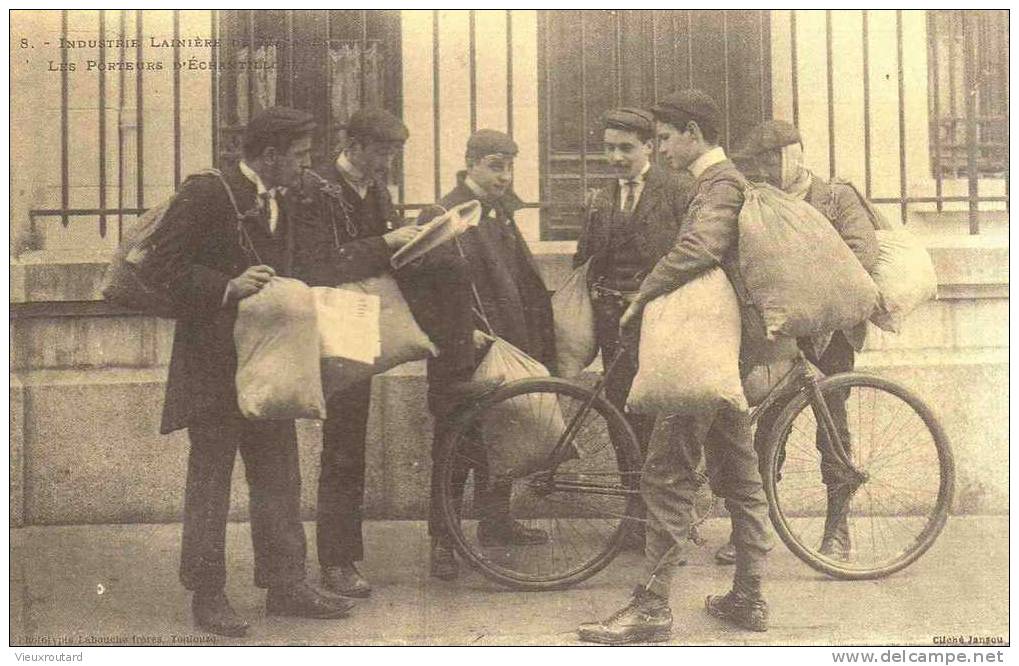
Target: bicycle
(584, 492)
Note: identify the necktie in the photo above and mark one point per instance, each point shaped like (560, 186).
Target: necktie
(631, 193)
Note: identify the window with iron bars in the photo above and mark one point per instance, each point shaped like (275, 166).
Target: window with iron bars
(329, 63)
(968, 99)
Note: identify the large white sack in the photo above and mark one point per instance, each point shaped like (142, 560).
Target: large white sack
(905, 277)
(573, 314)
(689, 349)
(518, 433)
(376, 316)
(276, 335)
(799, 272)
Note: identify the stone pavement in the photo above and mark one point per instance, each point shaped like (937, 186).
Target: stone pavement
(117, 584)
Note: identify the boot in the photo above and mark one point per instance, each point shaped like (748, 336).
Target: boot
(743, 606)
(647, 618)
(836, 542)
(345, 580)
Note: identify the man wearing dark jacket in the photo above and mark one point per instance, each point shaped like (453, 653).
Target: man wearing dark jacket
(209, 256)
(347, 230)
(773, 153)
(687, 126)
(512, 303)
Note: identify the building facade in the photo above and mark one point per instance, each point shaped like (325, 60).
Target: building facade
(910, 105)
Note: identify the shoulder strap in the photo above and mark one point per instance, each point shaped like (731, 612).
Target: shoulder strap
(876, 218)
(243, 238)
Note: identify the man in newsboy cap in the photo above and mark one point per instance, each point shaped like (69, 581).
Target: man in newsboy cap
(349, 230)
(196, 256)
(512, 303)
(630, 225)
(687, 124)
(773, 153)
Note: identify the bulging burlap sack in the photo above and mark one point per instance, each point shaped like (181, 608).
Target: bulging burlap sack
(277, 353)
(689, 349)
(905, 276)
(801, 275)
(573, 314)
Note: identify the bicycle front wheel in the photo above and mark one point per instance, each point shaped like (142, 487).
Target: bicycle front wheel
(874, 504)
(567, 515)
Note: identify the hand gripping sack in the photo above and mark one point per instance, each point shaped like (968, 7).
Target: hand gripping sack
(689, 349)
(122, 283)
(392, 329)
(905, 277)
(573, 315)
(800, 274)
(277, 353)
(518, 433)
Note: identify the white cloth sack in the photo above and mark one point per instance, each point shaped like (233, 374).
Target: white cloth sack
(905, 277)
(573, 314)
(276, 335)
(799, 272)
(518, 433)
(346, 323)
(689, 349)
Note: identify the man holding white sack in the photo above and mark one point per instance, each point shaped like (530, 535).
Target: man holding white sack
(344, 233)
(512, 302)
(773, 153)
(687, 127)
(208, 260)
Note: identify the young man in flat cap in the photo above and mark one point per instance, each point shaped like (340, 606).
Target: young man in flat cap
(630, 225)
(198, 257)
(514, 305)
(687, 127)
(347, 231)
(773, 153)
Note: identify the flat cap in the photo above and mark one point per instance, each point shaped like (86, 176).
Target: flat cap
(684, 105)
(630, 119)
(280, 119)
(376, 124)
(490, 142)
(769, 135)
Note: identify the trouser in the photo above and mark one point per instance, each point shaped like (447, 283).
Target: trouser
(670, 481)
(838, 357)
(269, 452)
(437, 290)
(607, 312)
(492, 498)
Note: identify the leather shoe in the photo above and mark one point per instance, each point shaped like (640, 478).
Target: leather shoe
(212, 612)
(442, 560)
(346, 581)
(302, 600)
(749, 611)
(509, 533)
(647, 618)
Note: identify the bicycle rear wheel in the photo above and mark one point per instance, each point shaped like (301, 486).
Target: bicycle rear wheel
(877, 521)
(584, 505)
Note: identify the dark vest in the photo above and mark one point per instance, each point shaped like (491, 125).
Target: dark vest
(624, 263)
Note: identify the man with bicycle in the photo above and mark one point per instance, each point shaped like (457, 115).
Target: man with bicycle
(687, 125)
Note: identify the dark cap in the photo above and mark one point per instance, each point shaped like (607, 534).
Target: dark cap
(769, 135)
(280, 120)
(377, 125)
(490, 142)
(685, 105)
(630, 119)
(269, 125)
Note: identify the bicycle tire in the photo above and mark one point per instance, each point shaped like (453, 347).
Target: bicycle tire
(627, 453)
(936, 518)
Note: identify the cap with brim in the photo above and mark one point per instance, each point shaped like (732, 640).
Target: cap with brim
(769, 135)
(630, 119)
(487, 142)
(281, 119)
(378, 125)
(688, 105)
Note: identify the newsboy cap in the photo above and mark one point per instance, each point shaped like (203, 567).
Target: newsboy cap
(685, 105)
(630, 119)
(769, 135)
(377, 125)
(280, 120)
(490, 142)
